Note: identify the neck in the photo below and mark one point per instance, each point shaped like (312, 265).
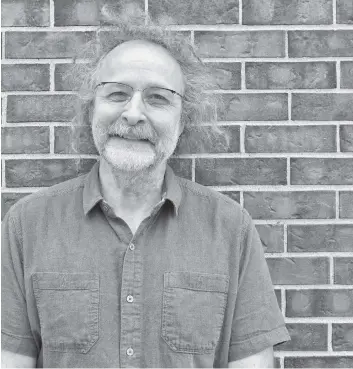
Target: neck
(130, 193)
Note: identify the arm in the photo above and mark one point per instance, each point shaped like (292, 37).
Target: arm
(12, 360)
(263, 359)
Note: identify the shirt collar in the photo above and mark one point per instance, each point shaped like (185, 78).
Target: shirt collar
(92, 193)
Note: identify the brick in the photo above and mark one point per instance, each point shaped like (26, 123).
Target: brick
(279, 297)
(44, 173)
(231, 171)
(287, 12)
(344, 11)
(194, 12)
(346, 74)
(240, 44)
(40, 108)
(271, 237)
(298, 270)
(319, 362)
(290, 75)
(342, 337)
(203, 140)
(255, 107)
(277, 362)
(76, 12)
(328, 237)
(305, 337)
(24, 13)
(290, 139)
(346, 138)
(22, 45)
(181, 167)
(290, 205)
(227, 76)
(322, 171)
(8, 199)
(68, 77)
(319, 303)
(320, 43)
(74, 140)
(234, 195)
(346, 204)
(322, 106)
(25, 140)
(25, 77)
(343, 268)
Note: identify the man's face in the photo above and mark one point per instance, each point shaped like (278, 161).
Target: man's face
(138, 133)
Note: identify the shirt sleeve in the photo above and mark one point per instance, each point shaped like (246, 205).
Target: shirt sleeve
(16, 335)
(257, 322)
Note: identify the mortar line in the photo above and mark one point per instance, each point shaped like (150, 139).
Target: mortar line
(338, 141)
(186, 27)
(304, 59)
(192, 38)
(146, 12)
(242, 76)
(283, 301)
(286, 47)
(315, 353)
(240, 10)
(285, 238)
(51, 139)
(338, 75)
(308, 255)
(3, 45)
(3, 181)
(329, 337)
(44, 61)
(4, 110)
(334, 12)
(331, 271)
(282, 155)
(52, 13)
(241, 200)
(193, 165)
(337, 200)
(242, 129)
(52, 76)
(288, 171)
(281, 361)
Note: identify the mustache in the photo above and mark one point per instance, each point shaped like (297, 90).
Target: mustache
(143, 132)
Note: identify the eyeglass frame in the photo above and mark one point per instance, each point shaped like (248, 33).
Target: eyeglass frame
(134, 90)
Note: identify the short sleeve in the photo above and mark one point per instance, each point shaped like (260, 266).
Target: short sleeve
(16, 335)
(258, 322)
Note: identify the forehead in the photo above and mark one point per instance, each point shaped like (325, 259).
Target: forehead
(140, 62)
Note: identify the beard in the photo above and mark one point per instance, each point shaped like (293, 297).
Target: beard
(133, 149)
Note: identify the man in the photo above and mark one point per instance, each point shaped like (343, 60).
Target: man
(131, 266)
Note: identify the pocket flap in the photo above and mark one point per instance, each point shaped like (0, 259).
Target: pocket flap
(197, 281)
(66, 281)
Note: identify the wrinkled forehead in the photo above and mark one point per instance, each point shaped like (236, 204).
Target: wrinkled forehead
(139, 56)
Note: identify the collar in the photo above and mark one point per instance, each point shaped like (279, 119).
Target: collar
(92, 193)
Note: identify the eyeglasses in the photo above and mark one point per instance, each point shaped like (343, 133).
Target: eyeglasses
(153, 97)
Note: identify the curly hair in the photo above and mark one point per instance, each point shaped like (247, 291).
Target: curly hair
(199, 105)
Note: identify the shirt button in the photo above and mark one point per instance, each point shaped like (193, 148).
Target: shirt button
(130, 351)
(130, 298)
(132, 246)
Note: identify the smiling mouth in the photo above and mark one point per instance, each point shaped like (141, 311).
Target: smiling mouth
(130, 138)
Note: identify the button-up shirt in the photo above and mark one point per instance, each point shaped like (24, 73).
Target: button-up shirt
(190, 288)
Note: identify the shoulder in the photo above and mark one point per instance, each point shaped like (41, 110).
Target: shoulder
(55, 195)
(201, 197)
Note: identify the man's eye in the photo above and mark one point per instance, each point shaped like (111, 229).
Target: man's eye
(156, 99)
(118, 96)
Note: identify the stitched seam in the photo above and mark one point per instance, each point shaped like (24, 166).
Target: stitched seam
(16, 336)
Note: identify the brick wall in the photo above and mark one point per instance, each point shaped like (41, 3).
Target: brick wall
(285, 68)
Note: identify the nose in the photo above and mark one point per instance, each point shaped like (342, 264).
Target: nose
(134, 110)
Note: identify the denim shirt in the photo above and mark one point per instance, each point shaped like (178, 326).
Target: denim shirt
(190, 288)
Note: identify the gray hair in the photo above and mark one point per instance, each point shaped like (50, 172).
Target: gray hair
(199, 105)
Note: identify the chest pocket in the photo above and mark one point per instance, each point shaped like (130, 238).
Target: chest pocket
(68, 308)
(193, 310)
